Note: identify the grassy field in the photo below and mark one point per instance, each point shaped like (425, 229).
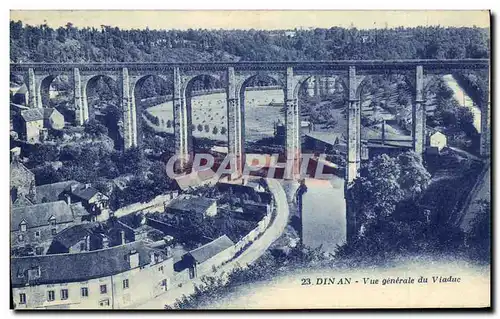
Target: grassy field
(211, 110)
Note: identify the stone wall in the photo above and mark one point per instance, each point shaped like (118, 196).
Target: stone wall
(154, 205)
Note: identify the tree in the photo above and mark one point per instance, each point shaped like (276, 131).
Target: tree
(94, 128)
(465, 121)
(131, 161)
(414, 177)
(378, 189)
(42, 153)
(70, 152)
(46, 174)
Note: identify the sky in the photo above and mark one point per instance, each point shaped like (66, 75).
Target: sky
(269, 20)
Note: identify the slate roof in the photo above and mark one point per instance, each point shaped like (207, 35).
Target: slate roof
(85, 193)
(196, 179)
(326, 137)
(191, 203)
(38, 215)
(78, 210)
(211, 249)
(72, 235)
(47, 112)
(18, 168)
(22, 90)
(51, 192)
(22, 201)
(32, 114)
(62, 268)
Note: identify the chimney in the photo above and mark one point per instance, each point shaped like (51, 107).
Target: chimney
(153, 258)
(134, 259)
(105, 242)
(87, 243)
(168, 251)
(68, 199)
(122, 237)
(87, 185)
(383, 132)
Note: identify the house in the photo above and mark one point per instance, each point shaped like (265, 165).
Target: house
(33, 227)
(392, 148)
(196, 179)
(202, 260)
(94, 202)
(77, 239)
(323, 142)
(187, 209)
(22, 181)
(21, 95)
(52, 192)
(31, 123)
(437, 141)
(53, 119)
(251, 189)
(136, 228)
(255, 211)
(111, 278)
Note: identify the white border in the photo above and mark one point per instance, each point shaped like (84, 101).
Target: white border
(198, 4)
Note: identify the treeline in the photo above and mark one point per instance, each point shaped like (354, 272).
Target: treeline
(71, 44)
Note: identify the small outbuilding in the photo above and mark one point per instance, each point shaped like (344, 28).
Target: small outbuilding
(437, 141)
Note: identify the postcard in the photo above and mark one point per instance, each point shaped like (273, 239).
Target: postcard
(173, 160)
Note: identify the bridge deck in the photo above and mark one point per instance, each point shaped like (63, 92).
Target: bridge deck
(268, 65)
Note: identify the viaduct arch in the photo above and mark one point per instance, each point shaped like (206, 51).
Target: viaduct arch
(232, 76)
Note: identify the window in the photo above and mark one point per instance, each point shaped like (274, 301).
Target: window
(51, 295)
(64, 294)
(22, 298)
(20, 237)
(39, 250)
(164, 284)
(23, 226)
(37, 233)
(104, 289)
(160, 268)
(85, 292)
(54, 231)
(82, 247)
(125, 283)
(52, 222)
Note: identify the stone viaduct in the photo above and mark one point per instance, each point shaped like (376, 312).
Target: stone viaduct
(235, 76)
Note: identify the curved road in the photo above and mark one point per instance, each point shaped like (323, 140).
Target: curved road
(251, 254)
